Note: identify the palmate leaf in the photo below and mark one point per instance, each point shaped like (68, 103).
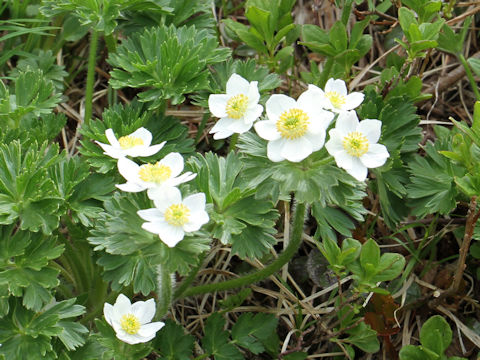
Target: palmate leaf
(125, 119)
(27, 194)
(216, 340)
(32, 95)
(24, 265)
(171, 61)
(248, 224)
(432, 187)
(26, 334)
(250, 331)
(171, 342)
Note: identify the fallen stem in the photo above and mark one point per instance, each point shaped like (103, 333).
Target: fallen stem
(273, 267)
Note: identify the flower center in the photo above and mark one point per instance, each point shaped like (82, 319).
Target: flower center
(237, 106)
(177, 215)
(156, 173)
(128, 142)
(336, 99)
(130, 324)
(292, 124)
(355, 144)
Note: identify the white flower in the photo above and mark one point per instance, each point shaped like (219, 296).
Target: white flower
(153, 177)
(294, 129)
(172, 216)
(135, 144)
(237, 109)
(354, 146)
(132, 323)
(335, 97)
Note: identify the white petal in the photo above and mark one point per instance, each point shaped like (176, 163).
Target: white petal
(336, 85)
(197, 219)
(358, 170)
(376, 156)
(128, 169)
(343, 159)
(195, 202)
(253, 114)
(168, 196)
(111, 138)
(111, 151)
(334, 145)
(148, 331)
(217, 104)
(122, 306)
(108, 313)
(222, 134)
(175, 162)
(277, 104)
(143, 134)
(319, 120)
(253, 94)
(144, 151)
(180, 179)
(237, 85)
(130, 339)
(267, 130)
(239, 126)
(274, 150)
(130, 186)
(296, 150)
(347, 122)
(371, 129)
(154, 228)
(310, 99)
(144, 310)
(317, 140)
(353, 100)
(171, 235)
(152, 215)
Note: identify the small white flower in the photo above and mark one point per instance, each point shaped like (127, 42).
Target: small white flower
(153, 177)
(336, 98)
(294, 129)
(354, 146)
(172, 216)
(132, 323)
(237, 109)
(135, 144)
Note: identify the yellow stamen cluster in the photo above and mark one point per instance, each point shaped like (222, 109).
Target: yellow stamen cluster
(128, 142)
(177, 215)
(237, 106)
(336, 99)
(156, 173)
(355, 144)
(292, 124)
(130, 324)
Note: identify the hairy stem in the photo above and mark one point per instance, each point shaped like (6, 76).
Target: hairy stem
(90, 76)
(270, 269)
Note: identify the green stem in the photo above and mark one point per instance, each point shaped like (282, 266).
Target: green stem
(164, 291)
(189, 279)
(473, 83)
(90, 76)
(233, 142)
(276, 265)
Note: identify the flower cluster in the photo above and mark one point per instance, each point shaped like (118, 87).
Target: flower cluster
(296, 128)
(172, 216)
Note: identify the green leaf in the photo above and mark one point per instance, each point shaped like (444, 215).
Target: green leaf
(436, 334)
(338, 36)
(250, 329)
(363, 337)
(171, 62)
(171, 342)
(216, 340)
(410, 352)
(370, 255)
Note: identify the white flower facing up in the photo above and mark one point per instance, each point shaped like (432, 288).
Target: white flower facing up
(336, 98)
(154, 177)
(172, 216)
(354, 146)
(237, 109)
(294, 129)
(132, 322)
(135, 144)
